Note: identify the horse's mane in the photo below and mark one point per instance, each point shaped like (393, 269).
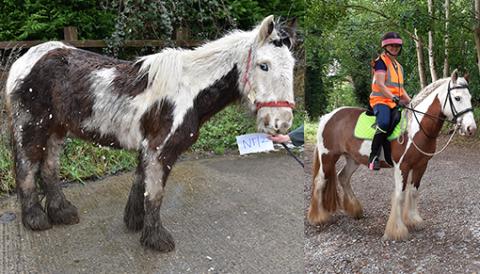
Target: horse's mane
(427, 91)
(166, 68)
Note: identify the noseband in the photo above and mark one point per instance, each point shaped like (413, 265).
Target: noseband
(455, 114)
(275, 104)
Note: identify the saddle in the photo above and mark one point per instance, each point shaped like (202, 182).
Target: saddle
(366, 125)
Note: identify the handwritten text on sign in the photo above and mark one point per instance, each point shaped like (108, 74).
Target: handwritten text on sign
(252, 143)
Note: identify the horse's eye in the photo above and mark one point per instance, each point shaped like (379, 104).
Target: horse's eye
(457, 98)
(264, 67)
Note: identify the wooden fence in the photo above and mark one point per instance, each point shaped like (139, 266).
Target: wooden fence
(70, 35)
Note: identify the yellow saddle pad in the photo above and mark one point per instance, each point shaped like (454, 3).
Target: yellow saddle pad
(366, 127)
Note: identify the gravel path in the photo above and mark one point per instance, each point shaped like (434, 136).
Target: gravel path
(448, 202)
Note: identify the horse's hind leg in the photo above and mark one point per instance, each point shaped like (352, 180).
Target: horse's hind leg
(33, 214)
(410, 215)
(396, 229)
(59, 209)
(350, 202)
(135, 210)
(324, 198)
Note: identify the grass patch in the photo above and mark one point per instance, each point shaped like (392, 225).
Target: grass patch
(82, 160)
(311, 131)
(218, 134)
(7, 181)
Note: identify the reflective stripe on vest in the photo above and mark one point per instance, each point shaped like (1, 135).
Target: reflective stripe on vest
(393, 81)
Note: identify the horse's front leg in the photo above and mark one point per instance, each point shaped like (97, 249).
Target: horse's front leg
(154, 235)
(396, 229)
(410, 216)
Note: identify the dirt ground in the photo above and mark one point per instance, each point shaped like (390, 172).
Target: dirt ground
(448, 202)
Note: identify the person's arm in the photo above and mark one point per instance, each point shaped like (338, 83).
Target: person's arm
(380, 81)
(297, 137)
(405, 98)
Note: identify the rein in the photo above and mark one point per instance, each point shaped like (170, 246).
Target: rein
(456, 115)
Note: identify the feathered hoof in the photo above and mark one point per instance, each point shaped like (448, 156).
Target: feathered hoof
(35, 218)
(414, 224)
(62, 211)
(157, 238)
(396, 233)
(318, 216)
(353, 208)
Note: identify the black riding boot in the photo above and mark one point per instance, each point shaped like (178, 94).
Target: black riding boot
(377, 143)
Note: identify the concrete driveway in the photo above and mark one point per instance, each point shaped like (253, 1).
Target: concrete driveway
(228, 215)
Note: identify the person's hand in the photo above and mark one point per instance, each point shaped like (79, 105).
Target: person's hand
(279, 138)
(396, 99)
(404, 102)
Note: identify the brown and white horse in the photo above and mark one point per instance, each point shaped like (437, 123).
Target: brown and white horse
(155, 105)
(447, 98)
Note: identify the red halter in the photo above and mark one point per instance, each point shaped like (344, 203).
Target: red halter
(276, 104)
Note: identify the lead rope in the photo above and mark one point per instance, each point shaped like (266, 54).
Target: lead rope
(293, 155)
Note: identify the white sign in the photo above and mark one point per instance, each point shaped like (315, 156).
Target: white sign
(252, 143)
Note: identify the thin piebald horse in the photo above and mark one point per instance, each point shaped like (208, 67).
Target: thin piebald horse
(155, 105)
(445, 99)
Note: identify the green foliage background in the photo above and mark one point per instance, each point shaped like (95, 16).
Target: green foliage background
(343, 37)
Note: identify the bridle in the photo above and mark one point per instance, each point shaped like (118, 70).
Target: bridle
(448, 98)
(455, 114)
(259, 105)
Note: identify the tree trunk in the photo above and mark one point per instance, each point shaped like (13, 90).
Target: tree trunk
(431, 57)
(446, 65)
(476, 31)
(420, 60)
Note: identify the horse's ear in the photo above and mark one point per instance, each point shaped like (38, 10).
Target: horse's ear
(291, 30)
(454, 76)
(266, 28)
(466, 76)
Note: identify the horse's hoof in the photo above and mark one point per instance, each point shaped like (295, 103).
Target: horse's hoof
(353, 208)
(400, 234)
(318, 217)
(35, 218)
(415, 224)
(157, 238)
(62, 212)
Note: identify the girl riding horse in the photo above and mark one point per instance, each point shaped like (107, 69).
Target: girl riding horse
(387, 93)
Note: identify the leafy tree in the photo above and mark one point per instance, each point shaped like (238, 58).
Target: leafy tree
(45, 19)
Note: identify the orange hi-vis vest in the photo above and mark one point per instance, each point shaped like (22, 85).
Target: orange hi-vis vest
(393, 81)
